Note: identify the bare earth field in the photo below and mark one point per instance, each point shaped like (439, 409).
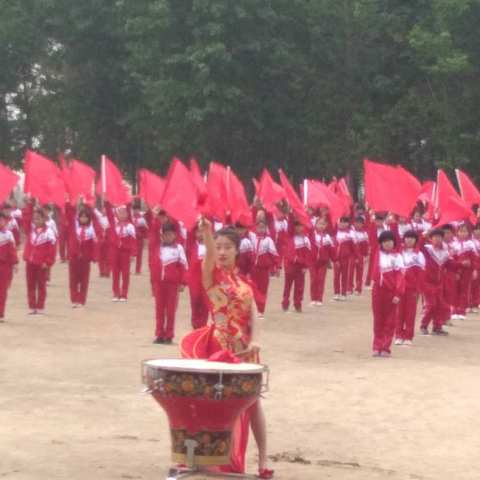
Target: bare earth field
(71, 408)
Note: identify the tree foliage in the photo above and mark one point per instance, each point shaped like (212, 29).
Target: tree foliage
(312, 86)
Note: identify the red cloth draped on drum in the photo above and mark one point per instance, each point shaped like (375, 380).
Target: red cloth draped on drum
(231, 301)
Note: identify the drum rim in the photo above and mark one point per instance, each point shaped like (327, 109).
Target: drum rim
(253, 368)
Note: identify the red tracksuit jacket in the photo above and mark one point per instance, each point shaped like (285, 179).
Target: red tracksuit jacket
(388, 272)
(344, 247)
(265, 252)
(246, 256)
(82, 239)
(8, 253)
(436, 262)
(323, 248)
(121, 234)
(39, 242)
(414, 263)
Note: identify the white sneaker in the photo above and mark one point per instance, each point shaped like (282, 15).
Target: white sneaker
(40, 312)
(407, 343)
(319, 304)
(261, 316)
(336, 298)
(343, 298)
(357, 294)
(399, 341)
(115, 299)
(32, 312)
(74, 305)
(123, 300)
(313, 304)
(461, 317)
(454, 317)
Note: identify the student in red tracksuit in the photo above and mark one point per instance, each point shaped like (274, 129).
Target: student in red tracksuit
(361, 249)
(82, 249)
(281, 235)
(141, 232)
(8, 260)
(63, 229)
(466, 257)
(388, 287)
(198, 301)
(450, 273)
(414, 264)
(103, 234)
(323, 252)
(298, 258)
(266, 261)
(122, 246)
(475, 291)
(39, 255)
(437, 259)
(246, 255)
(170, 275)
(344, 252)
(12, 223)
(374, 230)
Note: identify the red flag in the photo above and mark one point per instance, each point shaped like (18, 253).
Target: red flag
(8, 181)
(180, 195)
(320, 195)
(294, 201)
(111, 184)
(200, 184)
(454, 210)
(79, 180)
(270, 193)
(468, 190)
(444, 191)
(389, 189)
(427, 192)
(217, 191)
(150, 187)
(43, 179)
(256, 184)
(340, 188)
(237, 200)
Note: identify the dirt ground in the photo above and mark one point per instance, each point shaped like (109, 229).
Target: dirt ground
(71, 407)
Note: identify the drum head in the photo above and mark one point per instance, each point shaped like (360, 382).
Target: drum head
(203, 366)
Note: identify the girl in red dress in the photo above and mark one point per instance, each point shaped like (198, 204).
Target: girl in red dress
(232, 305)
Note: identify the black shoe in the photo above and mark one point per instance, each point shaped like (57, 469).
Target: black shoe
(159, 341)
(168, 341)
(440, 332)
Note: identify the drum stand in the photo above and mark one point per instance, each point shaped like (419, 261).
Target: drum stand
(192, 470)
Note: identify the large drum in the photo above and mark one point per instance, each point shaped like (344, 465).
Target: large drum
(202, 400)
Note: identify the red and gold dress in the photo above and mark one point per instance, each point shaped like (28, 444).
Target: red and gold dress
(231, 300)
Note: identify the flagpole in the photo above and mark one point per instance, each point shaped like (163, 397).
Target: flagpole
(104, 177)
(459, 183)
(305, 192)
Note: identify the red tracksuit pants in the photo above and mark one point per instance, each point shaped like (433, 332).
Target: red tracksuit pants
(384, 318)
(62, 245)
(450, 290)
(294, 276)
(340, 276)
(359, 268)
(475, 293)
(36, 286)
(104, 259)
(464, 285)
(261, 279)
(79, 275)
(371, 261)
(435, 308)
(120, 273)
(6, 273)
(318, 275)
(139, 258)
(407, 314)
(166, 301)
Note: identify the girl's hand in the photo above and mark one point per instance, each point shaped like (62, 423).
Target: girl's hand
(395, 300)
(204, 225)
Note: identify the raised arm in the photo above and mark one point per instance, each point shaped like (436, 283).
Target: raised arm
(210, 259)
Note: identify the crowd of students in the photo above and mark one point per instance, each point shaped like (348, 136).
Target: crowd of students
(405, 261)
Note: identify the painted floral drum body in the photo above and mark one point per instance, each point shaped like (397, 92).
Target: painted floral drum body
(202, 400)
